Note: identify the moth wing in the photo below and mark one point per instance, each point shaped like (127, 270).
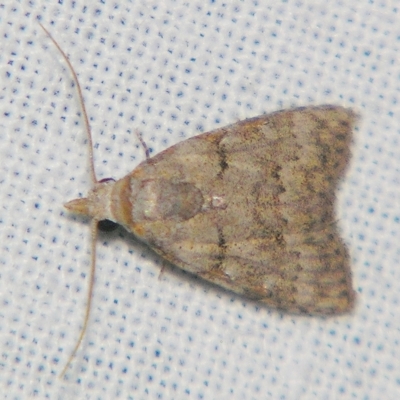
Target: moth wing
(250, 207)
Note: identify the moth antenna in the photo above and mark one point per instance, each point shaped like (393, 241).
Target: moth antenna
(94, 223)
(94, 231)
(82, 105)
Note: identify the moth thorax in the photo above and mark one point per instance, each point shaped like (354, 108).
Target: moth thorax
(163, 199)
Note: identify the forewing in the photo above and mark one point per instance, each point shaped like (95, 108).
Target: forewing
(250, 207)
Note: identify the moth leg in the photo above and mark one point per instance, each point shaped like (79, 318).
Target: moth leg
(163, 269)
(143, 143)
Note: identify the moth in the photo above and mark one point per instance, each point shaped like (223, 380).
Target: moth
(248, 207)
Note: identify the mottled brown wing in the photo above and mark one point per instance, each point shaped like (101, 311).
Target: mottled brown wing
(250, 207)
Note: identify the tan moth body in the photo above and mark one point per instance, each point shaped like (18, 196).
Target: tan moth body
(249, 207)
(271, 233)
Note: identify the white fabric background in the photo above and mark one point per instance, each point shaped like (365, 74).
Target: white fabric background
(174, 69)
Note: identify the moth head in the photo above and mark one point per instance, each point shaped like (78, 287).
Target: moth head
(97, 204)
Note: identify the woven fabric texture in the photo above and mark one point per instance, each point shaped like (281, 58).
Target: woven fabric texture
(171, 70)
